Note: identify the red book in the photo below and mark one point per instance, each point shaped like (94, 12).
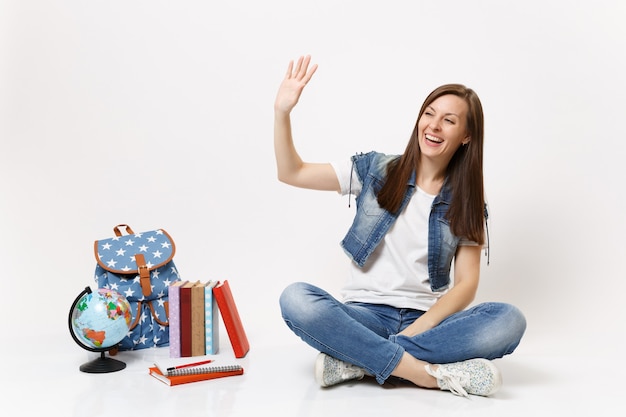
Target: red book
(196, 375)
(232, 321)
(185, 319)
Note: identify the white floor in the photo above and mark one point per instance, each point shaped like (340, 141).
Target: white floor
(278, 381)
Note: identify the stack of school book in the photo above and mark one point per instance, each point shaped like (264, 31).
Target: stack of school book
(194, 310)
(184, 373)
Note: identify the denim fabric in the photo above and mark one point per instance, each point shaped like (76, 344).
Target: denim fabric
(366, 335)
(372, 222)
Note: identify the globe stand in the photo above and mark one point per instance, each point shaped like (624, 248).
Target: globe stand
(102, 365)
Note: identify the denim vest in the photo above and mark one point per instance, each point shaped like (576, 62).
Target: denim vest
(372, 222)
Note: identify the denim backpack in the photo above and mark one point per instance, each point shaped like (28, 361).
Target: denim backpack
(140, 267)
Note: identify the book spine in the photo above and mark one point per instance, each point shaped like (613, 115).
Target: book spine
(185, 321)
(232, 321)
(211, 322)
(174, 319)
(197, 320)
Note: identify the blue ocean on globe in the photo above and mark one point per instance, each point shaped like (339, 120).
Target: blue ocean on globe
(101, 319)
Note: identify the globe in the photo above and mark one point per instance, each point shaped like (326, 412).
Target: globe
(98, 321)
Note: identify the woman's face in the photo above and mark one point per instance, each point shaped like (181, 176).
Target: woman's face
(442, 128)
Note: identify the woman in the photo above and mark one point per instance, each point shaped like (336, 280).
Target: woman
(401, 315)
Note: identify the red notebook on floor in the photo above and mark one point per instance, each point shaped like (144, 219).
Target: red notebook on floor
(187, 375)
(232, 321)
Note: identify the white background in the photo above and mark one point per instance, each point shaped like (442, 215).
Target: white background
(159, 114)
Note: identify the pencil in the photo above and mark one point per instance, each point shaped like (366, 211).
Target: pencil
(189, 365)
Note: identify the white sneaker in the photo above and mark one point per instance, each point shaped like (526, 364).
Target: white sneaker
(474, 376)
(330, 371)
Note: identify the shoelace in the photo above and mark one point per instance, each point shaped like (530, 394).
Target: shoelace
(350, 371)
(339, 371)
(454, 382)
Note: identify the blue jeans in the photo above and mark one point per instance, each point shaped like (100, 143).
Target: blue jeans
(366, 335)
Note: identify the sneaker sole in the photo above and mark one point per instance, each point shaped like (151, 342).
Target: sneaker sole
(319, 369)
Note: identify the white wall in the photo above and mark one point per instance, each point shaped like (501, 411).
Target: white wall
(159, 114)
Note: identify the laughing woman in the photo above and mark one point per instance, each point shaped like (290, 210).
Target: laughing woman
(401, 314)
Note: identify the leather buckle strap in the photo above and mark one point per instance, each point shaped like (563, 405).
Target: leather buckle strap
(144, 274)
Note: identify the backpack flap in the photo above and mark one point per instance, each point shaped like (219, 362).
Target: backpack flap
(135, 254)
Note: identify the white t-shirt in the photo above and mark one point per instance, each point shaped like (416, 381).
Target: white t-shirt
(396, 273)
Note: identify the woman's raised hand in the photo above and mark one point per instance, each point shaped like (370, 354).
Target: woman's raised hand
(293, 84)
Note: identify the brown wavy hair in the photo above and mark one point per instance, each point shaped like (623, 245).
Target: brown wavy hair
(464, 173)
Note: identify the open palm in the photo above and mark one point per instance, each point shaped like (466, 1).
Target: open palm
(292, 85)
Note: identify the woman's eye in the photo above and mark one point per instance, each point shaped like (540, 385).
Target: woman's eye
(449, 121)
